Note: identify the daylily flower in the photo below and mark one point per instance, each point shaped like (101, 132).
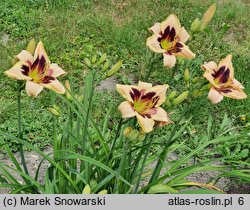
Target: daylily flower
(38, 71)
(169, 38)
(222, 81)
(143, 101)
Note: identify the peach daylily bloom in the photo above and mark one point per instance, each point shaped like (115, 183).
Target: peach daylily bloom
(38, 71)
(169, 38)
(222, 80)
(143, 101)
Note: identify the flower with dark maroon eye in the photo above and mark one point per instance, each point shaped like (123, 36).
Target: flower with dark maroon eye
(38, 71)
(169, 38)
(222, 80)
(143, 101)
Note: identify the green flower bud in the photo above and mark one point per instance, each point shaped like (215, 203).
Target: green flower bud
(195, 80)
(114, 69)
(206, 87)
(196, 26)
(172, 94)
(196, 93)
(186, 75)
(103, 192)
(141, 137)
(54, 111)
(68, 90)
(168, 103)
(93, 60)
(133, 136)
(102, 59)
(86, 190)
(31, 46)
(105, 66)
(87, 62)
(127, 131)
(79, 97)
(181, 98)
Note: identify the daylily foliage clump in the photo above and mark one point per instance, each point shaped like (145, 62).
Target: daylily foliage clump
(91, 157)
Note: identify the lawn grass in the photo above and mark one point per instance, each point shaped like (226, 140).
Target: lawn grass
(74, 29)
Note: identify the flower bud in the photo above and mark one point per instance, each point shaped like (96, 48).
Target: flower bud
(54, 111)
(86, 190)
(102, 59)
(87, 62)
(172, 94)
(133, 136)
(79, 98)
(114, 69)
(93, 60)
(68, 90)
(195, 80)
(243, 117)
(207, 17)
(105, 66)
(141, 137)
(196, 26)
(206, 87)
(181, 98)
(103, 192)
(168, 103)
(186, 75)
(127, 131)
(196, 93)
(31, 46)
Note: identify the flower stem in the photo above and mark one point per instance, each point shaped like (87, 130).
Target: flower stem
(150, 69)
(89, 92)
(115, 139)
(143, 162)
(164, 153)
(20, 131)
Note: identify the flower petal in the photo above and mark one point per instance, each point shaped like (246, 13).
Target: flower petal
(156, 28)
(125, 91)
(146, 124)
(25, 56)
(185, 52)
(227, 62)
(161, 115)
(160, 92)
(126, 110)
(54, 85)
(173, 22)
(209, 76)
(236, 83)
(40, 52)
(144, 85)
(154, 45)
(18, 71)
(214, 96)
(169, 60)
(56, 70)
(234, 92)
(33, 89)
(183, 35)
(211, 65)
